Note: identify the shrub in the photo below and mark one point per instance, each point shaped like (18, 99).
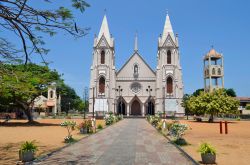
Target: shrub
(248, 107)
(206, 148)
(180, 142)
(85, 124)
(70, 126)
(169, 125)
(155, 120)
(28, 146)
(177, 130)
(120, 117)
(99, 126)
(109, 119)
(159, 125)
(69, 139)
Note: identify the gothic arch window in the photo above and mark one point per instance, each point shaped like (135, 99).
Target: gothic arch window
(169, 85)
(135, 69)
(213, 71)
(102, 85)
(51, 94)
(169, 57)
(102, 57)
(219, 71)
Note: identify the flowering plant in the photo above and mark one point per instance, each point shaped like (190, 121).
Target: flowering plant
(70, 126)
(84, 124)
(68, 139)
(177, 130)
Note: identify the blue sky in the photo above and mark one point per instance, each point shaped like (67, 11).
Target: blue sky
(225, 24)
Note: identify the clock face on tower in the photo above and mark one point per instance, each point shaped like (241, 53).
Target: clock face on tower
(135, 87)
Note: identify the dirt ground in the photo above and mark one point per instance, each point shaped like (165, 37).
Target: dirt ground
(49, 136)
(232, 149)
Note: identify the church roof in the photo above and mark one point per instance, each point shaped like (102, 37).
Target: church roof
(104, 31)
(212, 54)
(134, 54)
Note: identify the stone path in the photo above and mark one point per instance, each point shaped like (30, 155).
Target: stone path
(129, 142)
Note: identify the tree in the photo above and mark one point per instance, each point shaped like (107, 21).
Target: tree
(69, 98)
(184, 104)
(29, 24)
(86, 102)
(198, 91)
(217, 102)
(230, 92)
(24, 84)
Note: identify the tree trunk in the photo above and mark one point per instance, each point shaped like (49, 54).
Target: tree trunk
(26, 110)
(84, 114)
(29, 115)
(211, 118)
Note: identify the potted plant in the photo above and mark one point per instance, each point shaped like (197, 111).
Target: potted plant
(208, 153)
(27, 151)
(85, 126)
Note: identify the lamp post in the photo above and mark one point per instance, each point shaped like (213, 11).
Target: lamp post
(93, 102)
(163, 101)
(119, 89)
(149, 90)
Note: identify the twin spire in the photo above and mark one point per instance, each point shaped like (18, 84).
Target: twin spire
(104, 31)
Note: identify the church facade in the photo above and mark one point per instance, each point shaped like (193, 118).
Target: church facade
(136, 88)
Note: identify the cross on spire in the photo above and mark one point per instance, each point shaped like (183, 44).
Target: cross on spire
(136, 42)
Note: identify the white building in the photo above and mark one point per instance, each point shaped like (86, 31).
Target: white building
(51, 104)
(136, 89)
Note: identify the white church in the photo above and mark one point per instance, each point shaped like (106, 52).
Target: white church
(136, 89)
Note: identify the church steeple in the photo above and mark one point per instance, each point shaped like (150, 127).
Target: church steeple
(136, 43)
(167, 29)
(105, 30)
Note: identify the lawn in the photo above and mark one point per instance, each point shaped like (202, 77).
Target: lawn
(49, 136)
(233, 148)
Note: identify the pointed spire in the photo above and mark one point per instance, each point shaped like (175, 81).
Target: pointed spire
(104, 30)
(136, 43)
(167, 28)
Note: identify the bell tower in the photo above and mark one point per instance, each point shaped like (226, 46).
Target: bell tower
(213, 71)
(102, 78)
(169, 84)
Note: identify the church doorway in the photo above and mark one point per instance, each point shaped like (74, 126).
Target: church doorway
(121, 108)
(150, 108)
(135, 108)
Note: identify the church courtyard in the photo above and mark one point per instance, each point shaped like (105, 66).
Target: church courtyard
(48, 134)
(130, 141)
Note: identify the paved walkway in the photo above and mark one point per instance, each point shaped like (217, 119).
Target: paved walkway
(129, 142)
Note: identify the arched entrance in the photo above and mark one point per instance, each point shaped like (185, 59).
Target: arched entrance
(135, 108)
(121, 108)
(150, 108)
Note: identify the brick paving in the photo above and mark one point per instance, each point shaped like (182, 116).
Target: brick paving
(129, 142)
